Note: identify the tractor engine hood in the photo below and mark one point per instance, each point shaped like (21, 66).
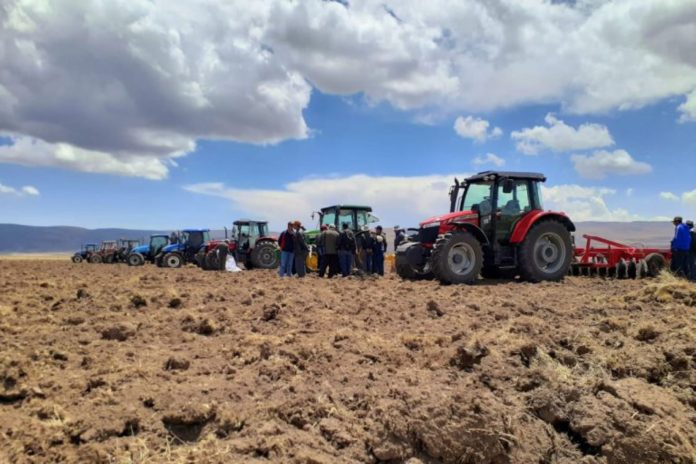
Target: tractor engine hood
(172, 247)
(142, 249)
(466, 216)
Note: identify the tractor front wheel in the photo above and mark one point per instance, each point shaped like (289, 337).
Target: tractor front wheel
(655, 263)
(94, 259)
(77, 259)
(136, 259)
(410, 262)
(265, 256)
(457, 258)
(172, 260)
(546, 252)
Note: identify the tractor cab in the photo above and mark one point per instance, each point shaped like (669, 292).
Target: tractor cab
(89, 248)
(247, 231)
(496, 201)
(356, 216)
(157, 242)
(108, 245)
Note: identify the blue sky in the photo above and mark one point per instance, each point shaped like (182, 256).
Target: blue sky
(275, 133)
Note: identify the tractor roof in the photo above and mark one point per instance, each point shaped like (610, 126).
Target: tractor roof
(358, 207)
(195, 230)
(90, 244)
(511, 175)
(160, 235)
(247, 221)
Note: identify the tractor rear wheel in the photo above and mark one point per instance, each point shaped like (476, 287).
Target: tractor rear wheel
(77, 259)
(265, 256)
(173, 260)
(546, 253)
(405, 269)
(457, 258)
(94, 259)
(136, 259)
(655, 263)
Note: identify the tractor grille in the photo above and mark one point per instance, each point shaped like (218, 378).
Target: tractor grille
(428, 234)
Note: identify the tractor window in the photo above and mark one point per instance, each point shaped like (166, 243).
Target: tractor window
(243, 231)
(328, 218)
(515, 202)
(363, 218)
(184, 237)
(206, 236)
(263, 230)
(158, 242)
(346, 215)
(478, 198)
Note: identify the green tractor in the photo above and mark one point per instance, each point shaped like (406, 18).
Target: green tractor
(355, 215)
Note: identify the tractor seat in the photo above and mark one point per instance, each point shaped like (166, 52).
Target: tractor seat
(511, 208)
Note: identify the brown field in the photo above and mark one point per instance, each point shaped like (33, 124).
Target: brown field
(105, 363)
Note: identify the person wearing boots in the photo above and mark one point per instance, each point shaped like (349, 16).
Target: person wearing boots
(346, 250)
(379, 248)
(301, 249)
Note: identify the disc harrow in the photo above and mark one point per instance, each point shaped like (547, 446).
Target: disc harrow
(606, 258)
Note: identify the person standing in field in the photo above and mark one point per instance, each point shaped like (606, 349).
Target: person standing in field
(379, 248)
(321, 252)
(399, 236)
(366, 250)
(286, 243)
(681, 244)
(301, 250)
(346, 250)
(328, 240)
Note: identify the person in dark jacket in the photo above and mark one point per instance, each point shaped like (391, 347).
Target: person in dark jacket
(367, 243)
(399, 236)
(286, 243)
(321, 252)
(301, 250)
(692, 251)
(681, 244)
(328, 240)
(379, 248)
(346, 250)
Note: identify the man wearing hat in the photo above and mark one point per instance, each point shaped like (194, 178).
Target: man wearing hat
(692, 251)
(379, 248)
(681, 244)
(301, 249)
(346, 250)
(399, 236)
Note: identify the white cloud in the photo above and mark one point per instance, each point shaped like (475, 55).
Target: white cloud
(560, 137)
(584, 203)
(629, 192)
(129, 80)
(688, 108)
(27, 190)
(395, 200)
(669, 196)
(475, 128)
(609, 163)
(489, 158)
(689, 198)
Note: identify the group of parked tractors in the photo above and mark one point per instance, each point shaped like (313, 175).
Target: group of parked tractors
(496, 227)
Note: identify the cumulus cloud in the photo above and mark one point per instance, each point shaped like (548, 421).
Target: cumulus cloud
(560, 137)
(475, 128)
(669, 196)
(607, 163)
(395, 200)
(489, 158)
(27, 190)
(689, 198)
(584, 203)
(688, 108)
(142, 80)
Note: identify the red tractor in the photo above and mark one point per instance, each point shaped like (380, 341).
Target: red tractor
(250, 244)
(496, 226)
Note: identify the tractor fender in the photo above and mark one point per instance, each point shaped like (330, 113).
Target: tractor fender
(474, 230)
(525, 224)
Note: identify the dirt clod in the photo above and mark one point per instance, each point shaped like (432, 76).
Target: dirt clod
(467, 357)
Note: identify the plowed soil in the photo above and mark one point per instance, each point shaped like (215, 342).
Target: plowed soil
(106, 363)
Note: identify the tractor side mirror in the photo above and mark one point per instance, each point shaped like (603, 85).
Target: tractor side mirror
(508, 186)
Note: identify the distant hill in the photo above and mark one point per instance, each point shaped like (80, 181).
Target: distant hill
(16, 238)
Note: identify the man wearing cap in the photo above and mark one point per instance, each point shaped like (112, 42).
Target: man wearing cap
(346, 250)
(681, 244)
(379, 247)
(692, 251)
(286, 242)
(399, 236)
(301, 249)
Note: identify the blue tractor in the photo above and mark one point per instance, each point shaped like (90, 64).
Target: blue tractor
(183, 250)
(140, 254)
(85, 253)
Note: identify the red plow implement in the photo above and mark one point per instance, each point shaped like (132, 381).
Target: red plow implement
(607, 258)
